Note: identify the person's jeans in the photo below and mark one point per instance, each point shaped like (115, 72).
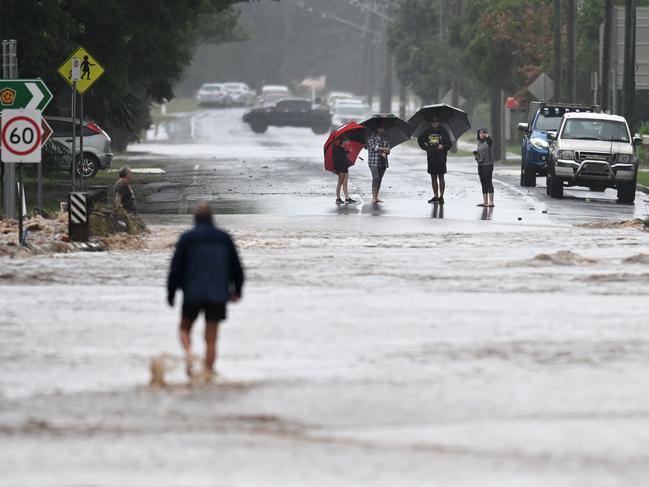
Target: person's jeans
(377, 176)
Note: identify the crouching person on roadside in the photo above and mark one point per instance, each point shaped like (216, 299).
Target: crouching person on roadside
(207, 268)
(124, 196)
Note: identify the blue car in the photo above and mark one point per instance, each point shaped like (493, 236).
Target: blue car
(535, 146)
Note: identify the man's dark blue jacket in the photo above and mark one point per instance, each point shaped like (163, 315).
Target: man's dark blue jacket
(205, 266)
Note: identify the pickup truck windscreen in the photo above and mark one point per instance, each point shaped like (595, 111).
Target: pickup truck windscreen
(602, 130)
(547, 124)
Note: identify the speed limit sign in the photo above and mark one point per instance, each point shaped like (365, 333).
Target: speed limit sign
(21, 135)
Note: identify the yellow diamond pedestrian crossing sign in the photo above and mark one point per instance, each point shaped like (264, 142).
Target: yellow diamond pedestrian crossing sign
(90, 70)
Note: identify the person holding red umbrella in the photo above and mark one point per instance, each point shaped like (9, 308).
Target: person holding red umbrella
(340, 153)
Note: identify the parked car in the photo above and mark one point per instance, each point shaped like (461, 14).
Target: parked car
(97, 151)
(594, 150)
(334, 96)
(535, 146)
(346, 111)
(240, 93)
(291, 112)
(213, 94)
(271, 94)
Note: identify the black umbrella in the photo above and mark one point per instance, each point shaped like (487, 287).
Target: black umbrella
(454, 119)
(397, 130)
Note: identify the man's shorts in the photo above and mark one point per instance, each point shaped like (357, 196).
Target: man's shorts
(213, 311)
(436, 167)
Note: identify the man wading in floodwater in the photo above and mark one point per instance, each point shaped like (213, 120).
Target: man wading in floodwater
(206, 267)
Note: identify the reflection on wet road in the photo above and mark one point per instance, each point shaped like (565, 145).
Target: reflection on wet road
(280, 172)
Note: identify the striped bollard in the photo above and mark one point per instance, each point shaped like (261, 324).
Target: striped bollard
(78, 217)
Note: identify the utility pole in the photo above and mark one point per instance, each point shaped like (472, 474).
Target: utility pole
(607, 56)
(10, 71)
(629, 60)
(572, 65)
(441, 28)
(367, 46)
(557, 49)
(386, 88)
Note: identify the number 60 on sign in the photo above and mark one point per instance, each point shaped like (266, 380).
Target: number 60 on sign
(21, 136)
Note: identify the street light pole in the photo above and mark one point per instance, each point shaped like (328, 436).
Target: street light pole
(629, 60)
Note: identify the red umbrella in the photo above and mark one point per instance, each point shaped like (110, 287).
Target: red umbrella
(357, 138)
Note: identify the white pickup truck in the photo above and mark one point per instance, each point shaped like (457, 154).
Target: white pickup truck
(594, 150)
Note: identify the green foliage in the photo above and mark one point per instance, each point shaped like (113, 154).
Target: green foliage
(423, 60)
(144, 45)
(507, 41)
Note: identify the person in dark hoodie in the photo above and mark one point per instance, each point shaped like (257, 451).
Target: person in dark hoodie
(485, 159)
(436, 142)
(207, 268)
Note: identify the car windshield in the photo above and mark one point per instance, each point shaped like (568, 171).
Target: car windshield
(233, 87)
(546, 124)
(211, 88)
(592, 129)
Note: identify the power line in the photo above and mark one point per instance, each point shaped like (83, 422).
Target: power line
(327, 15)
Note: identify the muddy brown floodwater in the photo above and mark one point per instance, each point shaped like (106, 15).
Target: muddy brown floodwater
(372, 347)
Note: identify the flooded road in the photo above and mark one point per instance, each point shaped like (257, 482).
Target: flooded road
(391, 346)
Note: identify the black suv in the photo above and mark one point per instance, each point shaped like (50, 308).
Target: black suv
(290, 112)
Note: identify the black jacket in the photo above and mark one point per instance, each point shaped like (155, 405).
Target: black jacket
(340, 158)
(205, 266)
(430, 139)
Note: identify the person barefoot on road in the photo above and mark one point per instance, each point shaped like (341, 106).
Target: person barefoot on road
(207, 268)
(378, 150)
(341, 167)
(485, 159)
(436, 142)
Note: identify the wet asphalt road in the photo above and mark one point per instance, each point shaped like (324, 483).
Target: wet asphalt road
(374, 346)
(216, 157)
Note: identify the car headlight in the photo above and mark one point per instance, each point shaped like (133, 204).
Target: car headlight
(539, 143)
(624, 158)
(566, 154)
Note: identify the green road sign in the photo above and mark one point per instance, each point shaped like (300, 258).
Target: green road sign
(30, 94)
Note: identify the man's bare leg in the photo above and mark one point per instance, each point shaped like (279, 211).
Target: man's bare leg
(211, 337)
(433, 179)
(186, 340)
(442, 185)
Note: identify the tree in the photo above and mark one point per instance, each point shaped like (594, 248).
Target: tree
(144, 47)
(426, 59)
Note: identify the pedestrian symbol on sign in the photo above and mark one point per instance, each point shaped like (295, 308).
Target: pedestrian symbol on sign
(85, 68)
(81, 68)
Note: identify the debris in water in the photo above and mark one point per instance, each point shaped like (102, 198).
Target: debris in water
(562, 257)
(635, 223)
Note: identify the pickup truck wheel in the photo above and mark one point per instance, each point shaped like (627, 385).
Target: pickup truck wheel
(528, 176)
(554, 186)
(320, 129)
(626, 192)
(258, 127)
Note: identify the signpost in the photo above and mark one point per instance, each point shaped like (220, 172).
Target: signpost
(21, 137)
(542, 88)
(81, 71)
(30, 94)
